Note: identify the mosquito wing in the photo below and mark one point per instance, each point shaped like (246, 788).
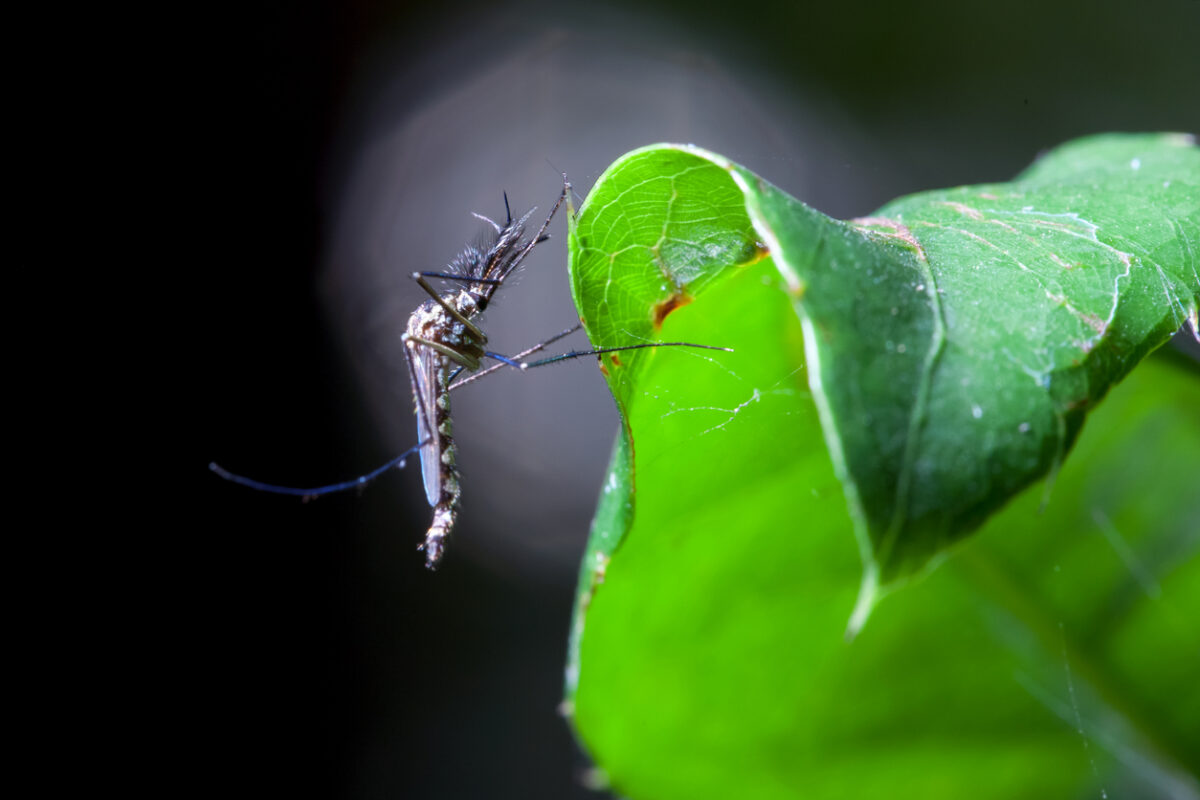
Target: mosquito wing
(423, 367)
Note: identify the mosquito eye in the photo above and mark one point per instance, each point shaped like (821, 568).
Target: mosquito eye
(482, 303)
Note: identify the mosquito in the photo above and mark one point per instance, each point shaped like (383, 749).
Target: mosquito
(440, 343)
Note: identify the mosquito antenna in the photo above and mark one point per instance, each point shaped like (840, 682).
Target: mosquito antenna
(355, 483)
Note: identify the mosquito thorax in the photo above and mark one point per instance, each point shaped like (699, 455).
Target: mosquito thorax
(428, 316)
(469, 303)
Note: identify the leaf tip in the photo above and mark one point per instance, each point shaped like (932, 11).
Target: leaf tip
(868, 595)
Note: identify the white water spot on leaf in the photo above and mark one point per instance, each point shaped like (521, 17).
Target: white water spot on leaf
(1135, 164)
(976, 411)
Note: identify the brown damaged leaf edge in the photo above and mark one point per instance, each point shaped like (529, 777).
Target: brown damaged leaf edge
(761, 251)
(679, 299)
(597, 578)
(757, 252)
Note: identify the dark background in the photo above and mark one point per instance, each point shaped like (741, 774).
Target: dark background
(326, 150)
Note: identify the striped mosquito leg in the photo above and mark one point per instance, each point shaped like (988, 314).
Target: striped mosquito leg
(445, 511)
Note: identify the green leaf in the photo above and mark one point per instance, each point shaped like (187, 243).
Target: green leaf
(960, 336)
(895, 380)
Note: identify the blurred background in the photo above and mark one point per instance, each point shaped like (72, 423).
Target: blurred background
(341, 146)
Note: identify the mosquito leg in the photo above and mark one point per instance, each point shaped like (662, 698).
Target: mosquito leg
(503, 359)
(601, 350)
(355, 483)
(517, 357)
(477, 375)
(475, 333)
(457, 356)
(541, 234)
(463, 278)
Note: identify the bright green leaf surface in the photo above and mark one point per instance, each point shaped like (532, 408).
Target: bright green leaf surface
(1056, 653)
